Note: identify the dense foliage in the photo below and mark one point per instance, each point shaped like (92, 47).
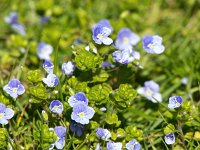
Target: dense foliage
(68, 82)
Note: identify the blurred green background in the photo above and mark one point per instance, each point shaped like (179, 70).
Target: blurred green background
(177, 21)
(71, 20)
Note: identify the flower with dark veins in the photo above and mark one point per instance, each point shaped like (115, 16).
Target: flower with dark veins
(14, 88)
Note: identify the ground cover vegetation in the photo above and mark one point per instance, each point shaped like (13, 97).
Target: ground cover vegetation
(99, 74)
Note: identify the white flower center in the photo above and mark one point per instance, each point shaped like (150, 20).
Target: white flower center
(99, 36)
(1, 115)
(55, 108)
(177, 104)
(51, 84)
(81, 114)
(132, 146)
(150, 45)
(149, 92)
(46, 68)
(14, 89)
(125, 40)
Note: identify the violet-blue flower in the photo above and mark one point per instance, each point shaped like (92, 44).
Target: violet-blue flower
(101, 31)
(19, 28)
(12, 20)
(150, 91)
(56, 106)
(104, 134)
(126, 39)
(153, 44)
(114, 146)
(51, 80)
(61, 133)
(98, 147)
(78, 98)
(14, 88)
(125, 56)
(175, 102)
(77, 128)
(184, 80)
(103, 109)
(133, 145)
(44, 51)
(170, 138)
(82, 113)
(48, 66)
(106, 64)
(5, 114)
(44, 19)
(68, 68)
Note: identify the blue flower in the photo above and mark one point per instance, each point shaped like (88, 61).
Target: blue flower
(104, 134)
(103, 109)
(82, 113)
(68, 68)
(133, 145)
(170, 138)
(114, 146)
(150, 91)
(61, 133)
(126, 39)
(12, 20)
(98, 147)
(56, 106)
(184, 80)
(175, 102)
(76, 127)
(125, 56)
(48, 66)
(153, 44)
(44, 19)
(51, 80)
(14, 88)
(5, 114)
(44, 51)
(105, 64)
(19, 28)
(78, 98)
(101, 31)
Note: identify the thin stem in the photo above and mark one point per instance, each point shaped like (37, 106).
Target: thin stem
(181, 132)
(80, 146)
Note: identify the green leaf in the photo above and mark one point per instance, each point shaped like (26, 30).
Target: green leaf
(113, 136)
(168, 114)
(124, 95)
(45, 115)
(94, 125)
(4, 100)
(112, 119)
(85, 60)
(44, 4)
(16, 41)
(169, 128)
(99, 94)
(133, 132)
(75, 86)
(38, 91)
(102, 76)
(3, 138)
(34, 76)
(45, 136)
(121, 133)
(197, 135)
